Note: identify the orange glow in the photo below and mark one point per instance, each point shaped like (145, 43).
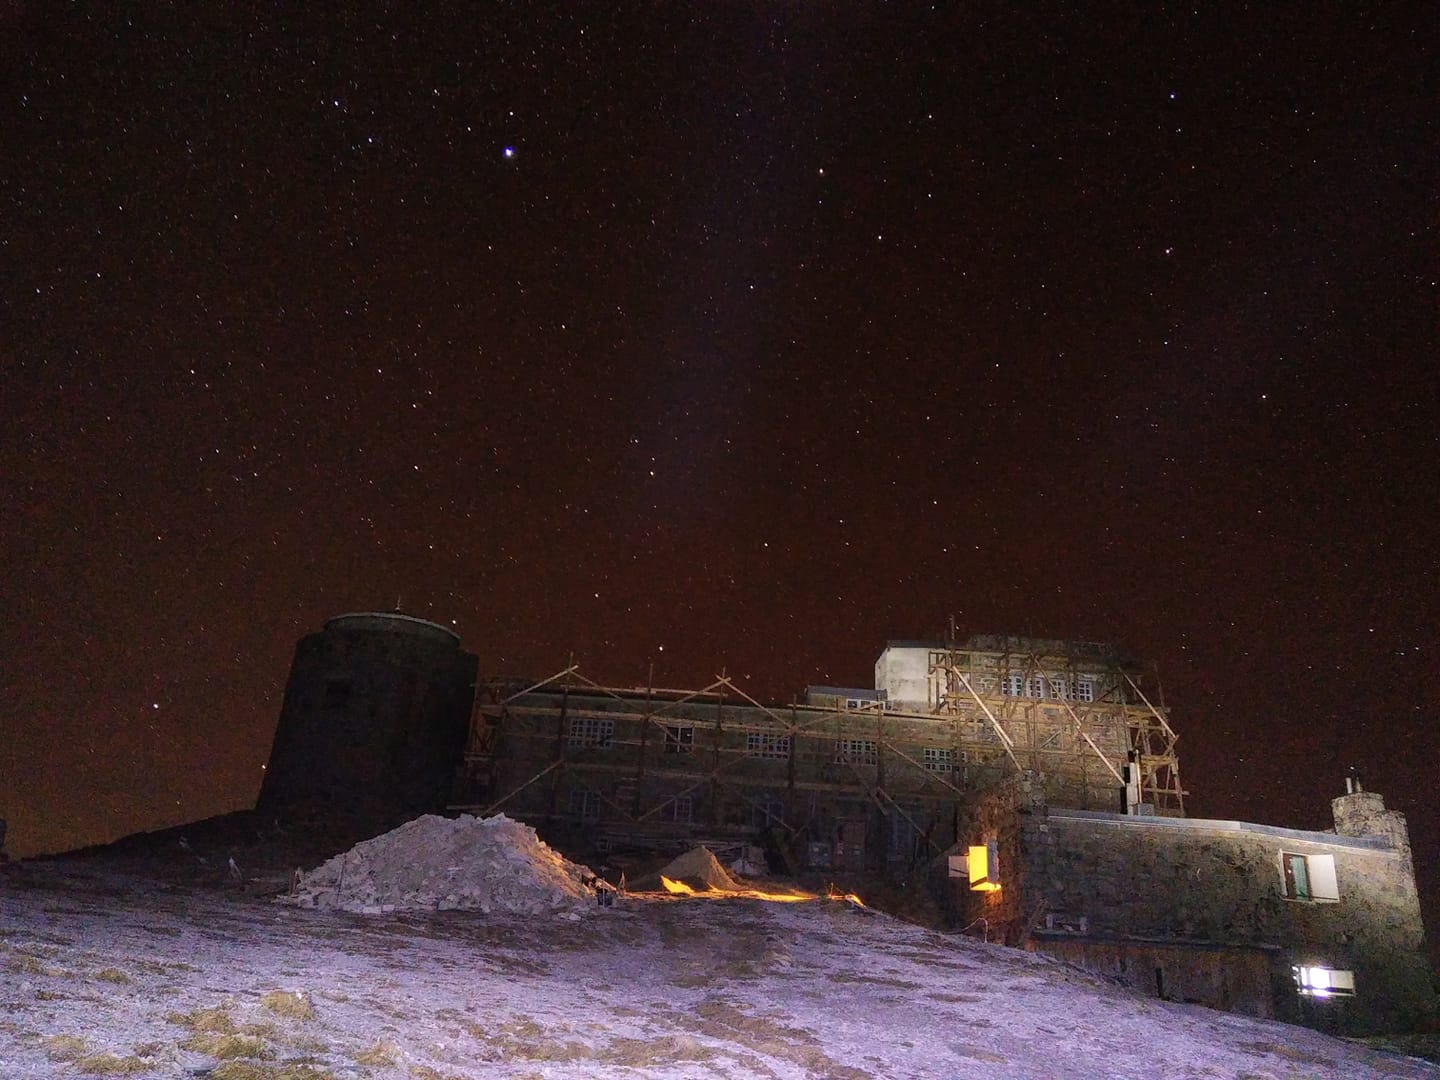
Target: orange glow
(679, 888)
(982, 873)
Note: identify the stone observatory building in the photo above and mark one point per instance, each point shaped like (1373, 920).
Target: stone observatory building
(373, 723)
(1032, 783)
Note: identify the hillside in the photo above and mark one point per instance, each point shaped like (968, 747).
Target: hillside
(104, 968)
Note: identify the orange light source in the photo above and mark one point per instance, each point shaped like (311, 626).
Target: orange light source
(984, 871)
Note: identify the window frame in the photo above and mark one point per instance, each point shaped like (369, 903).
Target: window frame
(770, 746)
(591, 733)
(1309, 879)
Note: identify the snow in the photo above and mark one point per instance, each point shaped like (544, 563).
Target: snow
(654, 986)
(434, 863)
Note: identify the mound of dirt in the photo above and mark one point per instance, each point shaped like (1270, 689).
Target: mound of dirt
(492, 865)
(697, 868)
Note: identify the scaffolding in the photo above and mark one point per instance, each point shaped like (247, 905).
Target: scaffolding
(1064, 709)
(845, 786)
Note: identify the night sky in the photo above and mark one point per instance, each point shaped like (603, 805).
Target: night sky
(730, 337)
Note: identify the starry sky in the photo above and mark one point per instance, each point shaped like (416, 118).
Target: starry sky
(733, 337)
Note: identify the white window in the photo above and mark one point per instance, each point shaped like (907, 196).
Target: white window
(1324, 982)
(1059, 688)
(1012, 685)
(764, 745)
(856, 751)
(679, 740)
(940, 759)
(1036, 686)
(1084, 688)
(591, 731)
(1308, 878)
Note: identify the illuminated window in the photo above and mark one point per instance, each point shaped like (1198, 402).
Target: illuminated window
(764, 745)
(856, 751)
(1309, 878)
(679, 740)
(984, 867)
(591, 731)
(1324, 982)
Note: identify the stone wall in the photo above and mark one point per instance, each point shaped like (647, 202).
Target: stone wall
(1212, 883)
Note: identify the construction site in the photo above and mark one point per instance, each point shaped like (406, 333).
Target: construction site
(852, 779)
(1026, 789)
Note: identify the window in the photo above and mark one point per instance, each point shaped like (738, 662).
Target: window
(856, 751)
(982, 866)
(1012, 685)
(1059, 687)
(904, 837)
(767, 812)
(941, 759)
(682, 809)
(1084, 688)
(679, 740)
(763, 744)
(591, 731)
(1035, 686)
(1308, 878)
(585, 804)
(1324, 982)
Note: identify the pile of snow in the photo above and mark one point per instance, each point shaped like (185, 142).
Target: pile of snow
(433, 863)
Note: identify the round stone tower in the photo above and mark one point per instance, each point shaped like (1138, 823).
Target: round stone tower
(374, 721)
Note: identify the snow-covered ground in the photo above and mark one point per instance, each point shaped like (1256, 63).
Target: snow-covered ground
(104, 971)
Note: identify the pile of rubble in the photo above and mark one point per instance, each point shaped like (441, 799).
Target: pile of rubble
(491, 865)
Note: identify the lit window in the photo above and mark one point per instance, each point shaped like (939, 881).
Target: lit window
(591, 731)
(983, 866)
(764, 745)
(1308, 878)
(1324, 982)
(679, 740)
(856, 752)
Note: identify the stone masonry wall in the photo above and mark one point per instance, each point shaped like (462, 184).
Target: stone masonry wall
(1221, 883)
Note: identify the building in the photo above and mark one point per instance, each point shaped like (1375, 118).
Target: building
(1033, 784)
(373, 721)
(852, 780)
(1320, 928)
